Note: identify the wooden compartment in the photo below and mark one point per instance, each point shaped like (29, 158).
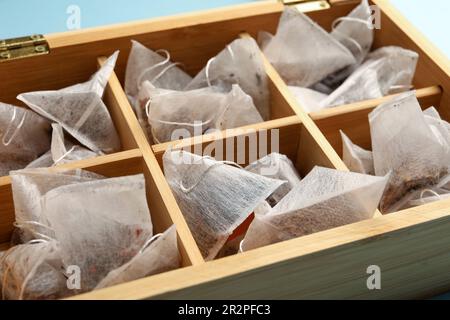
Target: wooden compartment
(411, 247)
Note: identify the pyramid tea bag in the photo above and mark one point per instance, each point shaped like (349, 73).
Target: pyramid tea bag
(356, 32)
(61, 151)
(356, 158)
(148, 65)
(386, 70)
(80, 110)
(33, 272)
(403, 142)
(324, 199)
(439, 127)
(197, 111)
(276, 166)
(215, 198)
(239, 63)
(160, 255)
(304, 53)
(25, 136)
(100, 225)
(28, 187)
(307, 98)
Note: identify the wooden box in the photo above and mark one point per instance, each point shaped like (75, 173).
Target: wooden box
(411, 247)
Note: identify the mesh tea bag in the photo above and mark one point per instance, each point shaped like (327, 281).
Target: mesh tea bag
(356, 32)
(403, 142)
(100, 225)
(303, 53)
(33, 272)
(307, 98)
(197, 111)
(276, 166)
(28, 187)
(356, 158)
(25, 136)
(215, 198)
(158, 255)
(239, 63)
(439, 127)
(44, 161)
(148, 65)
(324, 199)
(386, 70)
(80, 110)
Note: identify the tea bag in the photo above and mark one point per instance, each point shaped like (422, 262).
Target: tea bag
(44, 161)
(196, 111)
(100, 225)
(239, 63)
(403, 142)
(307, 98)
(324, 199)
(276, 166)
(439, 127)
(356, 158)
(304, 53)
(25, 136)
(159, 254)
(148, 65)
(80, 110)
(215, 198)
(386, 70)
(28, 187)
(33, 272)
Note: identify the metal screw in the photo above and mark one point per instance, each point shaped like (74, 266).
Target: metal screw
(39, 49)
(5, 55)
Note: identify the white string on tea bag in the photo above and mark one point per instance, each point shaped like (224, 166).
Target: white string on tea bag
(24, 137)
(239, 63)
(386, 70)
(80, 110)
(28, 187)
(324, 199)
(100, 225)
(308, 99)
(33, 271)
(159, 254)
(356, 32)
(304, 53)
(197, 111)
(276, 166)
(145, 64)
(215, 198)
(403, 142)
(59, 153)
(356, 158)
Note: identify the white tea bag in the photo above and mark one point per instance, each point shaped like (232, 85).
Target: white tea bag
(386, 70)
(25, 136)
(239, 63)
(148, 65)
(100, 225)
(44, 161)
(194, 112)
(159, 254)
(439, 127)
(356, 158)
(80, 110)
(324, 199)
(356, 32)
(308, 99)
(33, 272)
(403, 142)
(28, 187)
(276, 166)
(215, 198)
(304, 53)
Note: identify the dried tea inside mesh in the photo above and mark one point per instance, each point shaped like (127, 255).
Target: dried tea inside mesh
(80, 110)
(160, 255)
(324, 199)
(215, 198)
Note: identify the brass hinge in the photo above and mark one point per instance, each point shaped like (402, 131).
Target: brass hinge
(23, 47)
(307, 5)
